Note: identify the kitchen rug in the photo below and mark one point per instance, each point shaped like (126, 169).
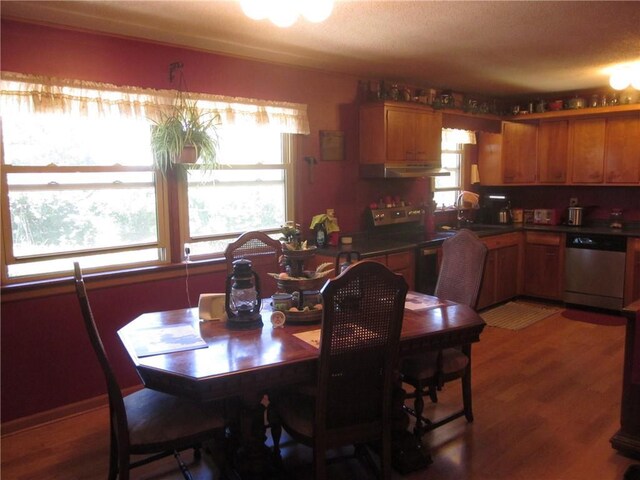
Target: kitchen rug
(517, 315)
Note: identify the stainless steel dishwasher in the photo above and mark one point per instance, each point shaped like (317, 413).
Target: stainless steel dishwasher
(594, 270)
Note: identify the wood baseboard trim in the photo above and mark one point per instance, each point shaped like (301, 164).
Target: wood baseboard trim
(57, 414)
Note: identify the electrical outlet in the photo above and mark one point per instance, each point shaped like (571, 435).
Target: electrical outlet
(573, 202)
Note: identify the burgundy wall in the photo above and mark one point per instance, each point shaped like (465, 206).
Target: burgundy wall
(46, 361)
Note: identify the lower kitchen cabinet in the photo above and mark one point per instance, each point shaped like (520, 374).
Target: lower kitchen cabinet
(500, 278)
(543, 265)
(399, 262)
(632, 271)
(402, 263)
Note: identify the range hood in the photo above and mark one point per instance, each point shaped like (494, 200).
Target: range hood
(401, 170)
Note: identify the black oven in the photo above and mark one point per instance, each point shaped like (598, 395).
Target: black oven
(427, 270)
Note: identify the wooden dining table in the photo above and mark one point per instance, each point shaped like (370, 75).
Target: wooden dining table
(177, 353)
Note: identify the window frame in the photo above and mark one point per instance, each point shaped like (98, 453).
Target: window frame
(289, 148)
(8, 255)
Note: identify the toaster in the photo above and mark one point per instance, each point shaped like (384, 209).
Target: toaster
(546, 216)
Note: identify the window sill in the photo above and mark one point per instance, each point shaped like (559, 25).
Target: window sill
(63, 285)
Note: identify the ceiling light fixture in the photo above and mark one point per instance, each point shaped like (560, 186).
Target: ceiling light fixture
(624, 75)
(285, 13)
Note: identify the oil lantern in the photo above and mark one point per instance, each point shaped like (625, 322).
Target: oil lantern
(242, 296)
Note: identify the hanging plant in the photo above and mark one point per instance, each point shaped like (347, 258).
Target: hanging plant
(185, 135)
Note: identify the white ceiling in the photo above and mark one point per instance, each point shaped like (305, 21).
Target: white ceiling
(497, 47)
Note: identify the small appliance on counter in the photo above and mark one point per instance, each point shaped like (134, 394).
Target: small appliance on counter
(546, 216)
(574, 216)
(493, 209)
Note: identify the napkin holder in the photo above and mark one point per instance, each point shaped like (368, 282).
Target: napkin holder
(211, 306)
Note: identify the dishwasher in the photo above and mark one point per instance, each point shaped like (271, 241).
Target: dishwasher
(594, 270)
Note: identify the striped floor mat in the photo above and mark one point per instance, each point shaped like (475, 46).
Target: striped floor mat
(517, 315)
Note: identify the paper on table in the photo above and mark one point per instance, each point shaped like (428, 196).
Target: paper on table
(420, 302)
(165, 339)
(312, 337)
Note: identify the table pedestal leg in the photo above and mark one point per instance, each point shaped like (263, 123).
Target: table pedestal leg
(407, 452)
(253, 460)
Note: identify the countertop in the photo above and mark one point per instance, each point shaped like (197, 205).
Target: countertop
(371, 244)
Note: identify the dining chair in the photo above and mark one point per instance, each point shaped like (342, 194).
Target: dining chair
(350, 402)
(264, 253)
(147, 422)
(463, 260)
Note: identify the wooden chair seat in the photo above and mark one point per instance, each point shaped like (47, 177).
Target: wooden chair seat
(351, 402)
(158, 421)
(463, 259)
(148, 422)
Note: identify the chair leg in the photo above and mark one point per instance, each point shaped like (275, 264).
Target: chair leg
(466, 396)
(113, 458)
(276, 428)
(418, 407)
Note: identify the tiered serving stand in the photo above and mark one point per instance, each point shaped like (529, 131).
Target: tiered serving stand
(303, 282)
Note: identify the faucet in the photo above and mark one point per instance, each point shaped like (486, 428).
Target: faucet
(461, 216)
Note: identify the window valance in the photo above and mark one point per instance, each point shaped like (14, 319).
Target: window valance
(30, 93)
(454, 135)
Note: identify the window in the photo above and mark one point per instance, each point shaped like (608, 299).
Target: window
(251, 190)
(78, 188)
(447, 188)
(78, 181)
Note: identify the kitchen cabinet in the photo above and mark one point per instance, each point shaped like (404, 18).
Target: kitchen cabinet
(508, 157)
(587, 150)
(543, 265)
(622, 150)
(501, 270)
(400, 133)
(519, 152)
(606, 150)
(632, 271)
(399, 262)
(553, 143)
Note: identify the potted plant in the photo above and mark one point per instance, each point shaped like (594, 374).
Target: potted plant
(184, 135)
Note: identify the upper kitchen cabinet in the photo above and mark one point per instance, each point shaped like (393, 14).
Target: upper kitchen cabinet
(509, 157)
(605, 150)
(398, 133)
(587, 150)
(553, 142)
(622, 150)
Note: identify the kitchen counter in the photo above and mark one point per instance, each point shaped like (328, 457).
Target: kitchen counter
(373, 244)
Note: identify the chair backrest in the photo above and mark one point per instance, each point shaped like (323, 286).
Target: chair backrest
(116, 403)
(463, 259)
(363, 311)
(264, 253)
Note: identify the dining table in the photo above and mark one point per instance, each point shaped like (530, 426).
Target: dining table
(178, 353)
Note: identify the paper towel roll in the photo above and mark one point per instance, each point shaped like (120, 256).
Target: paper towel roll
(211, 306)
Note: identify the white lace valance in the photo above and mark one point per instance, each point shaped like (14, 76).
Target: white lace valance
(30, 93)
(461, 137)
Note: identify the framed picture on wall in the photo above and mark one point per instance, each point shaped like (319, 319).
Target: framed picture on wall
(331, 145)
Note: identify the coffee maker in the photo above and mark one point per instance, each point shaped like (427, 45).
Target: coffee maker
(495, 209)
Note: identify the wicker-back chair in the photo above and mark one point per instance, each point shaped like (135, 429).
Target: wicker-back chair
(351, 401)
(264, 253)
(148, 423)
(463, 260)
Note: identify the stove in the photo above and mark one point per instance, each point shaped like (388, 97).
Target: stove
(396, 215)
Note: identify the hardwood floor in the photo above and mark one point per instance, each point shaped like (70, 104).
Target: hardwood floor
(546, 402)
